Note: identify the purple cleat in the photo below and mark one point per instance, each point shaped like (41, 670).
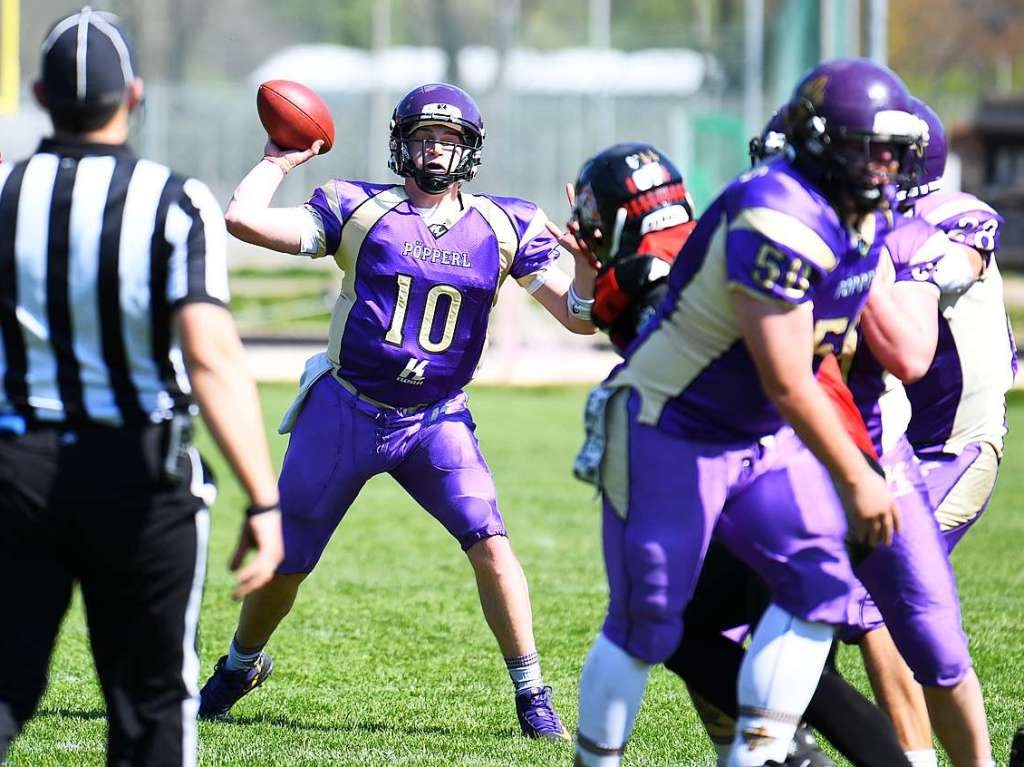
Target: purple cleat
(224, 688)
(537, 718)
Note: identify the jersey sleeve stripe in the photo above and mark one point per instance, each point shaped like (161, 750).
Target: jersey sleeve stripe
(739, 287)
(353, 234)
(504, 229)
(957, 207)
(536, 226)
(789, 232)
(934, 247)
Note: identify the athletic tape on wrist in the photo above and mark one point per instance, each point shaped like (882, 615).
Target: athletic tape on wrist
(580, 308)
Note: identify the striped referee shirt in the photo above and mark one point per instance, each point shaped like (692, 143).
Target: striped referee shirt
(97, 250)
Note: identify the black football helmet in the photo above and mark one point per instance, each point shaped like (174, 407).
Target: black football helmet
(625, 192)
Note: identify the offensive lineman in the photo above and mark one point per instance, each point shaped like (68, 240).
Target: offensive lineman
(943, 331)
(694, 442)
(649, 225)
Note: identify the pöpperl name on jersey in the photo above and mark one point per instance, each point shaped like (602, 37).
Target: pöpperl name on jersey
(436, 255)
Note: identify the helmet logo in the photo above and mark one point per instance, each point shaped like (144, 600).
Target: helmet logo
(647, 176)
(441, 111)
(586, 207)
(644, 157)
(814, 91)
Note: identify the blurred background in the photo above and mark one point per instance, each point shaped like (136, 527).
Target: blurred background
(555, 80)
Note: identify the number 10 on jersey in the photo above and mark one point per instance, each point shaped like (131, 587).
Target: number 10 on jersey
(396, 330)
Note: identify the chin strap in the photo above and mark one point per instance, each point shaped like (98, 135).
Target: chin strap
(433, 183)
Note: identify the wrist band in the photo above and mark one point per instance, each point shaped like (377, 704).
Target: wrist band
(255, 510)
(280, 162)
(580, 308)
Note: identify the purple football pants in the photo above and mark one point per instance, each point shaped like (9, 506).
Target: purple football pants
(772, 502)
(339, 441)
(911, 584)
(959, 487)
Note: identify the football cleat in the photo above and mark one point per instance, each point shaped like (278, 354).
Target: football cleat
(805, 752)
(537, 718)
(224, 688)
(1017, 748)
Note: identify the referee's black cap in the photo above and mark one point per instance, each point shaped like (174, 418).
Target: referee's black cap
(87, 65)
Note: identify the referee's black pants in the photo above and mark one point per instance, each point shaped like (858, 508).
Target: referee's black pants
(93, 505)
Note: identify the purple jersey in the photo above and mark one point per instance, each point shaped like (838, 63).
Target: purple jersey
(771, 234)
(963, 217)
(962, 397)
(909, 252)
(411, 320)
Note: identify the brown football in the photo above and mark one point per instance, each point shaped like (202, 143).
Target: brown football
(294, 116)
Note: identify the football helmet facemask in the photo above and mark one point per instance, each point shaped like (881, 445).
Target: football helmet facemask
(436, 104)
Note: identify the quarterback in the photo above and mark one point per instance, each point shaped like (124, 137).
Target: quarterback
(423, 261)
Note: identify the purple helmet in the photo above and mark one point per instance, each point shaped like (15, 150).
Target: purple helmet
(936, 148)
(840, 111)
(433, 104)
(772, 140)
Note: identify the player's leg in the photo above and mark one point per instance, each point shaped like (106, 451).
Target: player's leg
(850, 722)
(30, 548)
(959, 488)
(661, 498)
(729, 597)
(787, 524)
(446, 474)
(913, 586)
(504, 596)
(897, 692)
(331, 454)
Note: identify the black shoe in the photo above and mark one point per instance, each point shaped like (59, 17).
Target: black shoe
(223, 689)
(805, 752)
(1017, 748)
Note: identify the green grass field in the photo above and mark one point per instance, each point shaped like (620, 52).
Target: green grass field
(386, 659)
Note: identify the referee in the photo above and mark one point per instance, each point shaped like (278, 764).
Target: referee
(113, 292)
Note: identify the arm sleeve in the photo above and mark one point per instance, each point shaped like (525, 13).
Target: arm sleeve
(768, 269)
(775, 255)
(916, 257)
(322, 235)
(194, 228)
(977, 225)
(538, 249)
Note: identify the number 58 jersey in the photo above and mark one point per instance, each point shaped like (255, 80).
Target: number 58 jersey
(769, 234)
(410, 322)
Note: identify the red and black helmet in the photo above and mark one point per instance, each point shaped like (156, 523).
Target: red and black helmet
(624, 193)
